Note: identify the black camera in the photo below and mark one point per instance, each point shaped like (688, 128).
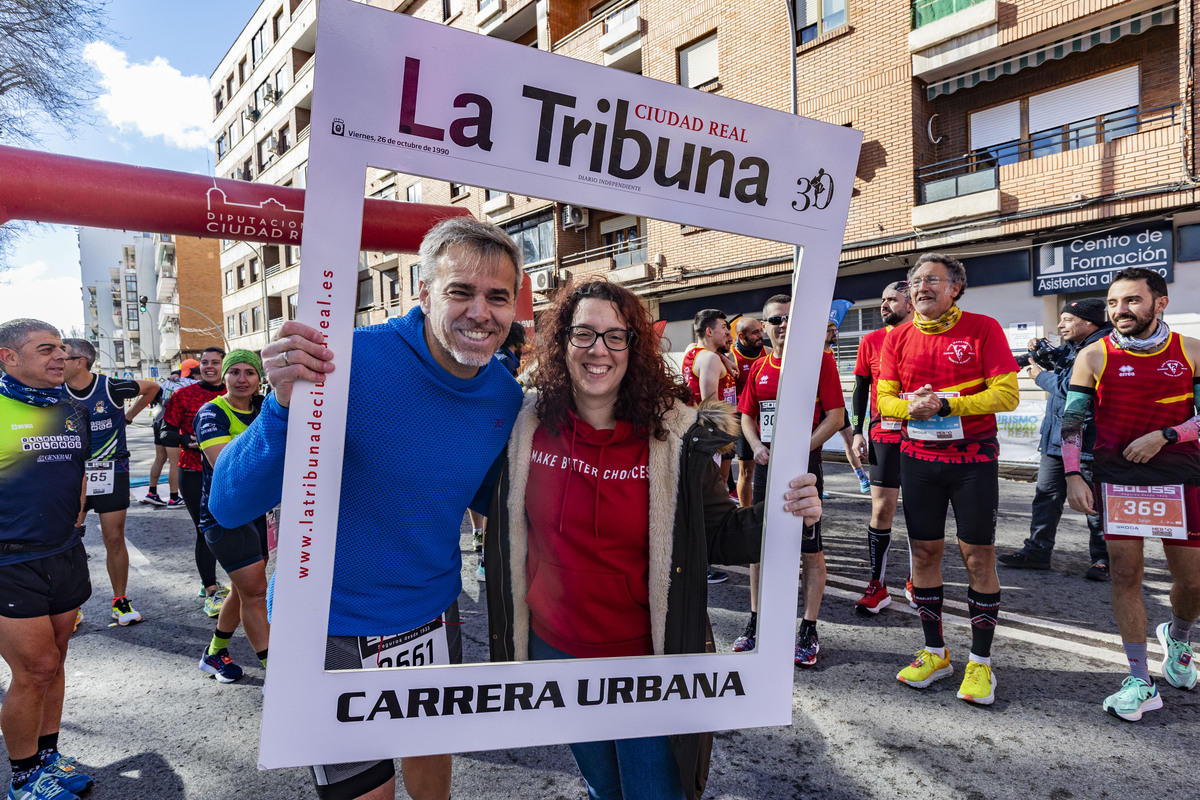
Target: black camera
(1042, 354)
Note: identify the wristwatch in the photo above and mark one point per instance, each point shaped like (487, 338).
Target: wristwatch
(1171, 435)
(944, 411)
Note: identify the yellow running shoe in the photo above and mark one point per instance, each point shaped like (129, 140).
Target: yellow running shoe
(979, 684)
(925, 669)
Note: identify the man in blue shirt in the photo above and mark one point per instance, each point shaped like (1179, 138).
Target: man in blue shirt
(432, 367)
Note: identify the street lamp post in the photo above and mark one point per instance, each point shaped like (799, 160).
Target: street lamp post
(791, 17)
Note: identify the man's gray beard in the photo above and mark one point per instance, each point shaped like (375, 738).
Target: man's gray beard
(466, 360)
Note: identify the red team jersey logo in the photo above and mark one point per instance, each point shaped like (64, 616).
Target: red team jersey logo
(960, 351)
(1172, 369)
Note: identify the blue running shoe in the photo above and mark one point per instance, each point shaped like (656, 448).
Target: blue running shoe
(65, 770)
(807, 648)
(220, 666)
(41, 786)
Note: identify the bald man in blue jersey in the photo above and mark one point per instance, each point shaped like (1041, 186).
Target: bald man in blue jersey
(433, 365)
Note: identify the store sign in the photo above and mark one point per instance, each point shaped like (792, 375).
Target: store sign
(1087, 263)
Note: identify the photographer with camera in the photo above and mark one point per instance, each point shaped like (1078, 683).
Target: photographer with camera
(1081, 323)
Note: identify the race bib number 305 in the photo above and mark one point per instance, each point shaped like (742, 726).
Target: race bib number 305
(1153, 512)
(421, 647)
(766, 421)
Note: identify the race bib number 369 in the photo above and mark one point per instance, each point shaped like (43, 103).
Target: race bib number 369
(1154, 512)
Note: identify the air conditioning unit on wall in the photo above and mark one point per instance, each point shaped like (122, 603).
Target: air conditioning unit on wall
(574, 218)
(543, 280)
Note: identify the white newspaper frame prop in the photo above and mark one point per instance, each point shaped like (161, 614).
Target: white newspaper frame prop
(789, 180)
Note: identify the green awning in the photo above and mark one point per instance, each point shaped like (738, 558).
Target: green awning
(1105, 34)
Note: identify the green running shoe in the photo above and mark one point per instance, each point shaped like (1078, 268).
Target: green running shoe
(1178, 666)
(1135, 698)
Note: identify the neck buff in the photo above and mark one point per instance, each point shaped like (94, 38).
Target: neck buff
(747, 352)
(940, 325)
(13, 389)
(1142, 345)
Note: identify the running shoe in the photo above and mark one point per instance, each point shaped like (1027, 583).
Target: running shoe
(925, 669)
(65, 770)
(42, 786)
(220, 666)
(1178, 666)
(213, 603)
(824, 495)
(478, 539)
(1134, 699)
(1097, 572)
(716, 576)
(747, 640)
(807, 647)
(78, 619)
(124, 613)
(152, 499)
(175, 502)
(908, 592)
(874, 599)
(480, 574)
(1023, 560)
(864, 483)
(203, 593)
(978, 684)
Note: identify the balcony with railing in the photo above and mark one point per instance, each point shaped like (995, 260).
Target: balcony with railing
(622, 262)
(1117, 151)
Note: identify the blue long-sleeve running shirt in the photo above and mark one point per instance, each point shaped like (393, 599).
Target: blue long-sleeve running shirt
(419, 446)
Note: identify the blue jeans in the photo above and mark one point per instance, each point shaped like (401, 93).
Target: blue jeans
(625, 769)
(1048, 501)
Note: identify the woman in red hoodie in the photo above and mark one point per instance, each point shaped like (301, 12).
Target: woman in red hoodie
(609, 509)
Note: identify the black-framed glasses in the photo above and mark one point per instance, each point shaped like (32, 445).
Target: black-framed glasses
(778, 319)
(614, 338)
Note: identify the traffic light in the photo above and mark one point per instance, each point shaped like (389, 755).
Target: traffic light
(142, 303)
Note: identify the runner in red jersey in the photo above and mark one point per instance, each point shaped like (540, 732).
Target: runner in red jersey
(747, 350)
(883, 450)
(177, 421)
(946, 374)
(707, 365)
(1141, 379)
(757, 406)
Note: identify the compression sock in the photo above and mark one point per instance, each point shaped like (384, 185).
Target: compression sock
(929, 607)
(262, 656)
(985, 610)
(219, 641)
(808, 626)
(878, 544)
(47, 747)
(1136, 653)
(1181, 629)
(23, 769)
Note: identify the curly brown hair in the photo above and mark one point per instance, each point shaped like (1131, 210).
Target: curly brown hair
(649, 387)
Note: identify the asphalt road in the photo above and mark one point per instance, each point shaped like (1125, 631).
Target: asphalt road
(147, 724)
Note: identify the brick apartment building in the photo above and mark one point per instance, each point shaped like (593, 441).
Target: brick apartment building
(1043, 143)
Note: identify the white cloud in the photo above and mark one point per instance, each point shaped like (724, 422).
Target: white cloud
(26, 291)
(153, 98)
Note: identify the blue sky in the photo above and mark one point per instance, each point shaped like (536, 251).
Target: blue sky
(154, 110)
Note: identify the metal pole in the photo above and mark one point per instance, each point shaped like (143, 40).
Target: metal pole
(791, 15)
